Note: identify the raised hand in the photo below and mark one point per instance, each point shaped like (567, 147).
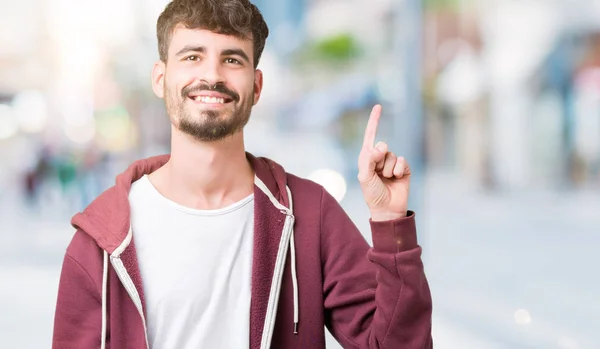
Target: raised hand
(383, 176)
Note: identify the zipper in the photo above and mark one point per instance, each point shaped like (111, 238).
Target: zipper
(131, 290)
(123, 275)
(270, 317)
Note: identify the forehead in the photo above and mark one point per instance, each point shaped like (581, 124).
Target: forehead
(183, 36)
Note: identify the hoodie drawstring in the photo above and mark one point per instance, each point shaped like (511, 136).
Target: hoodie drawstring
(293, 257)
(104, 283)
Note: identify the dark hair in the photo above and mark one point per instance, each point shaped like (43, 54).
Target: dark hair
(239, 18)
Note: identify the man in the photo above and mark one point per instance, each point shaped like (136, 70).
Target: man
(211, 247)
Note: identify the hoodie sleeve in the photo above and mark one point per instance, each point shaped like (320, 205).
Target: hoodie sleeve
(78, 316)
(374, 297)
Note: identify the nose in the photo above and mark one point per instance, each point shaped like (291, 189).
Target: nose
(210, 72)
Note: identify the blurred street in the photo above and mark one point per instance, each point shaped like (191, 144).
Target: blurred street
(486, 257)
(495, 104)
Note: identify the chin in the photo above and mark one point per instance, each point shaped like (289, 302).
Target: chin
(213, 112)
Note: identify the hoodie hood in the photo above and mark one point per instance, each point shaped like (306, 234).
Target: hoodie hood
(107, 219)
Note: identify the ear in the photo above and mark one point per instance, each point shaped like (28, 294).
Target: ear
(158, 79)
(258, 84)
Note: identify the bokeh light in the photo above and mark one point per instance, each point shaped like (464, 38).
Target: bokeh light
(332, 181)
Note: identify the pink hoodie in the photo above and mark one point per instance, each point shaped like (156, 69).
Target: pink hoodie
(311, 268)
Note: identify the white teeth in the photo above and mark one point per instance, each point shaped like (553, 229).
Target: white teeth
(206, 99)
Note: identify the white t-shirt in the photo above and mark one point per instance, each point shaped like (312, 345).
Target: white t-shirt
(196, 270)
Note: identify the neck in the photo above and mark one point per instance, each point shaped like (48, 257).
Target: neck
(205, 175)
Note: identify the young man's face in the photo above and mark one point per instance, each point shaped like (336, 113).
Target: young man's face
(208, 82)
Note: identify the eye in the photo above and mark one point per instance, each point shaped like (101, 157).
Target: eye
(192, 58)
(232, 61)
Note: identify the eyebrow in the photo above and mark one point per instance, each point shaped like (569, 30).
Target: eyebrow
(226, 52)
(190, 48)
(236, 52)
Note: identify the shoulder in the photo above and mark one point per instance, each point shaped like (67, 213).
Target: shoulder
(84, 252)
(310, 197)
(304, 188)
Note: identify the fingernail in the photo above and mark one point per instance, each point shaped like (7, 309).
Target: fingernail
(380, 147)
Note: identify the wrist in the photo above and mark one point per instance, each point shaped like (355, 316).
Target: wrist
(386, 216)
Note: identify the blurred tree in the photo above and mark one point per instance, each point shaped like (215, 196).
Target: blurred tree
(340, 48)
(441, 4)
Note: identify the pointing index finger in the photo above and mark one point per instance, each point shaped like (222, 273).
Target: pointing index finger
(371, 130)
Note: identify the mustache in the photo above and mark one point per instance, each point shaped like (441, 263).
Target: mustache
(219, 87)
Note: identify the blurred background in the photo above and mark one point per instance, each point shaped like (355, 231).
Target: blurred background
(495, 103)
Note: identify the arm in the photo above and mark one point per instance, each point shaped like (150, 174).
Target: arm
(78, 315)
(374, 297)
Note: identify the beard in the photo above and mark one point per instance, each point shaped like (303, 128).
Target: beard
(208, 125)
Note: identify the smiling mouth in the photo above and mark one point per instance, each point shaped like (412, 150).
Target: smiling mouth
(210, 100)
